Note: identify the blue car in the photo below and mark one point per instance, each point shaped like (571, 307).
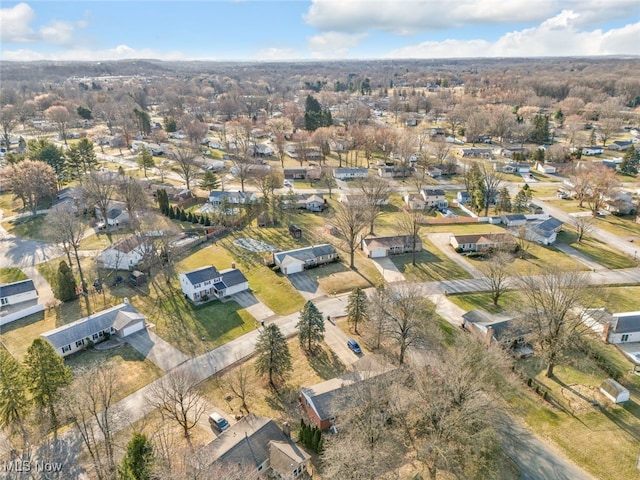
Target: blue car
(353, 346)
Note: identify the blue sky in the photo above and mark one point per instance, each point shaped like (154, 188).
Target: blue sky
(316, 29)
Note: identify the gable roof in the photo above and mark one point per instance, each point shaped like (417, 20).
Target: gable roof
(376, 242)
(626, 322)
(232, 276)
(87, 326)
(502, 324)
(514, 216)
(433, 192)
(16, 288)
(127, 244)
(306, 253)
(483, 238)
(202, 274)
(249, 442)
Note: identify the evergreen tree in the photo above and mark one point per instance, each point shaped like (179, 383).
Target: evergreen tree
(137, 463)
(14, 404)
(357, 308)
(504, 201)
(182, 215)
(46, 151)
(84, 112)
(170, 124)
(272, 354)
(314, 116)
(310, 326)
(146, 161)
(65, 283)
(521, 202)
(81, 158)
(210, 181)
(315, 442)
(207, 220)
(46, 375)
(541, 134)
(143, 121)
(630, 162)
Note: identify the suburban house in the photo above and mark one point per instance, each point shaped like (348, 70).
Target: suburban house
(119, 321)
(395, 172)
(415, 201)
(126, 253)
(477, 152)
(324, 401)
(433, 171)
(512, 167)
(207, 283)
(116, 214)
(314, 202)
(218, 197)
(360, 199)
(615, 328)
(479, 242)
(592, 151)
(434, 198)
(546, 168)
(350, 173)
(18, 300)
(620, 145)
(502, 329)
(513, 219)
(300, 259)
(302, 173)
(463, 197)
(544, 231)
(376, 247)
(620, 202)
(258, 445)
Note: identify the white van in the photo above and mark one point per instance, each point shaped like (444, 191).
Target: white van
(218, 423)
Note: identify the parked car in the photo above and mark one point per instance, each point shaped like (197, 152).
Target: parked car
(218, 423)
(353, 346)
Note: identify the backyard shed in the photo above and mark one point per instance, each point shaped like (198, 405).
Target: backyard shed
(295, 231)
(614, 391)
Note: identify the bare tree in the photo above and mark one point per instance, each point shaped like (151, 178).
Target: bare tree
(410, 224)
(176, 397)
(59, 115)
(98, 190)
(496, 274)
(242, 170)
(8, 121)
(350, 220)
(552, 311)
(280, 128)
(194, 129)
(602, 187)
(31, 181)
(185, 157)
(134, 197)
(240, 382)
(376, 191)
(90, 406)
(491, 180)
(583, 226)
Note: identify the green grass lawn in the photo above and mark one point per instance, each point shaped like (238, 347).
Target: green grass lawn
(10, 206)
(101, 240)
(466, 229)
(619, 299)
(596, 250)
(431, 265)
(509, 302)
(10, 275)
(27, 227)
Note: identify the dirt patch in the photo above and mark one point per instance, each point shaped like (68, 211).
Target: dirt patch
(580, 399)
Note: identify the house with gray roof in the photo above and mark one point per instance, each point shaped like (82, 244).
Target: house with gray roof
(258, 446)
(350, 173)
(207, 283)
(619, 329)
(300, 259)
(18, 300)
(504, 329)
(514, 219)
(545, 231)
(434, 198)
(119, 321)
(218, 197)
(376, 247)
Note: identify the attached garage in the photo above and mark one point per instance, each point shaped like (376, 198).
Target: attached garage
(127, 323)
(290, 266)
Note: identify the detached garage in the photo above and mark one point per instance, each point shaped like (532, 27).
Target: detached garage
(614, 391)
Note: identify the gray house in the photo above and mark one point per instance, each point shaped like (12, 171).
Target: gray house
(295, 261)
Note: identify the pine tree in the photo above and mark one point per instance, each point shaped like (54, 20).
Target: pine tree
(504, 201)
(521, 202)
(137, 463)
(210, 181)
(66, 283)
(46, 374)
(630, 162)
(182, 215)
(145, 160)
(357, 308)
(272, 354)
(315, 442)
(14, 404)
(310, 326)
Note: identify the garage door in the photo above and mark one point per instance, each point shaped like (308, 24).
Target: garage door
(132, 328)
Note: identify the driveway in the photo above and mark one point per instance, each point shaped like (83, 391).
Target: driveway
(336, 340)
(307, 287)
(161, 353)
(579, 256)
(441, 240)
(251, 304)
(389, 271)
(447, 309)
(45, 293)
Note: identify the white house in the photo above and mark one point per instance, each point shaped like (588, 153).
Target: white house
(295, 261)
(116, 214)
(514, 219)
(434, 198)
(119, 321)
(377, 247)
(463, 197)
(545, 168)
(544, 231)
(592, 150)
(207, 283)
(217, 197)
(126, 253)
(18, 300)
(414, 201)
(350, 173)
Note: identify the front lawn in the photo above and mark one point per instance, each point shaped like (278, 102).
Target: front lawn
(27, 227)
(431, 265)
(510, 301)
(10, 275)
(596, 250)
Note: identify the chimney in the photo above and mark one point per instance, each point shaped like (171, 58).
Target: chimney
(606, 329)
(233, 264)
(286, 429)
(489, 335)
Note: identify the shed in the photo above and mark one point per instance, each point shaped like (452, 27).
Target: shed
(295, 231)
(614, 391)
(137, 278)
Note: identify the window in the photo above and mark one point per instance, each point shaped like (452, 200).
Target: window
(100, 334)
(259, 468)
(66, 348)
(625, 338)
(79, 343)
(95, 336)
(4, 301)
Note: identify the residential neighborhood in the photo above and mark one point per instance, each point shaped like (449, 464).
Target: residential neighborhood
(260, 273)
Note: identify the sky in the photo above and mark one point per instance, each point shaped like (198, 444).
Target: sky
(266, 30)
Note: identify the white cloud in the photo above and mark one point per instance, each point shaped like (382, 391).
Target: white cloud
(333, 44)
(16, 27)
(405, 17)
(120, 52)
(273, 53)
(557, 36)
